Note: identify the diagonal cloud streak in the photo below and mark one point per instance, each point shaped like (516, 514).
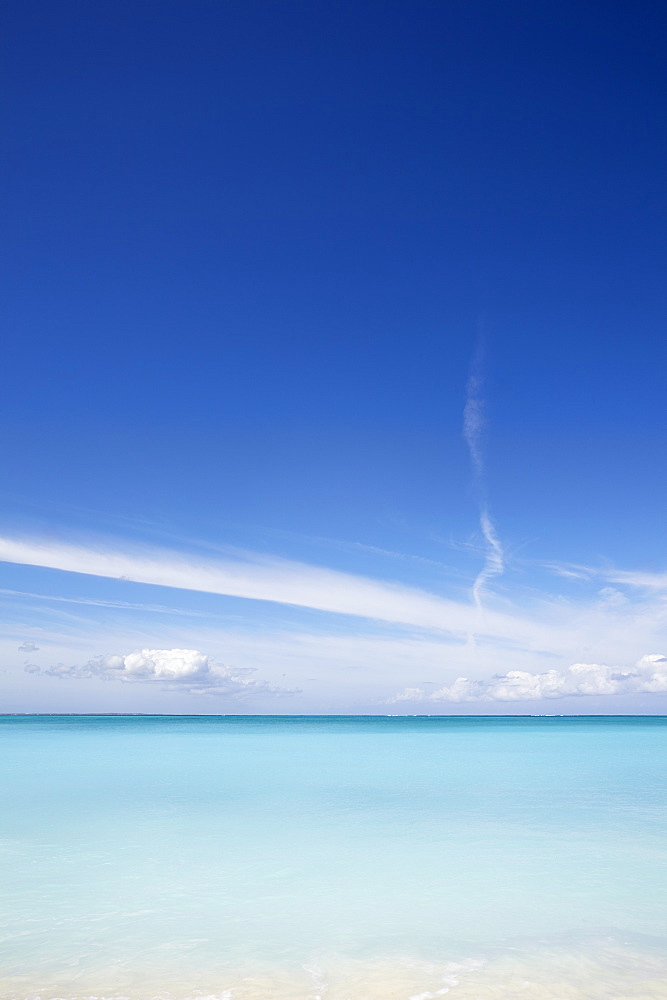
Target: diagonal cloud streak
(473, 430)
(264, 578)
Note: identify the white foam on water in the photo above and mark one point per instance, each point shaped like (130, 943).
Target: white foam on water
(602, 969)
(451, 978)
(320, 984)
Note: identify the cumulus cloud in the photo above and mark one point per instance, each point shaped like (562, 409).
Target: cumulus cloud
(187, 669)
(28, 647)
(410, 629)
(612, 598)
(649, 676)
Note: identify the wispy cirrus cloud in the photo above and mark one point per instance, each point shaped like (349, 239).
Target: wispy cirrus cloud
(95, 603)
(260, 577)
(474, 421)
(639, 579)
(394, 634)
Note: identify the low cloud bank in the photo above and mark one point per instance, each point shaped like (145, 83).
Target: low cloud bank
(649, 676)
(187, 669)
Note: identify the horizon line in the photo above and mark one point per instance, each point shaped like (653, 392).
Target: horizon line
(316, 715)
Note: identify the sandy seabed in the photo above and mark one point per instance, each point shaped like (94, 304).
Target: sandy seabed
(610, 970)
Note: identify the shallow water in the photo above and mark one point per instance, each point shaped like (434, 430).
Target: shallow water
(344, 858)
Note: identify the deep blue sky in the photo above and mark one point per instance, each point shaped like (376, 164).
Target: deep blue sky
(250, 251)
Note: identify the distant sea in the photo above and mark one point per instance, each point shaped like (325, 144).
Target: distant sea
(333, 858)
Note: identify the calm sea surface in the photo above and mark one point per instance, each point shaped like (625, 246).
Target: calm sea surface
(333, 858)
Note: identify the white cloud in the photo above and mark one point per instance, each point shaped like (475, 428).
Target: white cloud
(173, 668)
(414, 639)
(649, 676)
(28, 647)
(94, 603)
(569, 571)
(653, 673)
(473, 429)
(260, 577)
(639, 579)
(636, 578)
(612, 598)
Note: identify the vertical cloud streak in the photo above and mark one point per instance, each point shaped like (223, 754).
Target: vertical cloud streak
(473, 432)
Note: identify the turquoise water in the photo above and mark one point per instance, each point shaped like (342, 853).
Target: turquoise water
(333, 858)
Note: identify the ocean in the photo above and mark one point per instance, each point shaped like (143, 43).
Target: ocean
(333, 858)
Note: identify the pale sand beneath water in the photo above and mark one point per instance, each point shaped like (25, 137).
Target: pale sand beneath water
(611, 972)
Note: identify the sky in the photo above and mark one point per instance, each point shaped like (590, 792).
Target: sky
(334, 358)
